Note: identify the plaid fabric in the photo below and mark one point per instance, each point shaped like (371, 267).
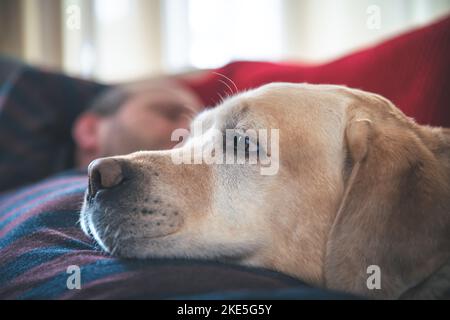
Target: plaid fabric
(40, 238)
(37, 109)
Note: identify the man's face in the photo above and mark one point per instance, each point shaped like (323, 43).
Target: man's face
(146, 121)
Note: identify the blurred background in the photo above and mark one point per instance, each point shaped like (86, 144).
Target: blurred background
(124, 40)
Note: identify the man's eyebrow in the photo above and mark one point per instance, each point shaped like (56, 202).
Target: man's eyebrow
(173, 106)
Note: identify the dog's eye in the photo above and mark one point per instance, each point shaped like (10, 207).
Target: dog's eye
(250, 146)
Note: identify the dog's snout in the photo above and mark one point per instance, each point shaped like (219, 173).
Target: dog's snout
(104, 174)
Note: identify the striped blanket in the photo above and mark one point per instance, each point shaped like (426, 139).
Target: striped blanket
(40, 239)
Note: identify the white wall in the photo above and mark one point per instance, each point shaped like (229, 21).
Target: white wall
(318, 30)
(117, 40)
(208, 33)
(79, 56)
(128, 39)
(123, 40)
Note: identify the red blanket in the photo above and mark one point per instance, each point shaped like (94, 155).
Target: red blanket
(412, 70)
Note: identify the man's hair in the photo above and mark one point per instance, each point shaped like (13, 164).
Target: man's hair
(109, 101)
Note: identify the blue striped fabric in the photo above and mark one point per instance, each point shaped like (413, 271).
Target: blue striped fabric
(40, 238)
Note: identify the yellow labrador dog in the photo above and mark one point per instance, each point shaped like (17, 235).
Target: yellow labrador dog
(358, 198)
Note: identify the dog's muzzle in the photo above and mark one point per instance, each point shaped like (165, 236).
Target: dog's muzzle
(119, 207)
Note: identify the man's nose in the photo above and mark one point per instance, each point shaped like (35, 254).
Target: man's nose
(104, 173)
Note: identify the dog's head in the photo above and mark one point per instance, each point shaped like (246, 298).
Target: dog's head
(328, 182)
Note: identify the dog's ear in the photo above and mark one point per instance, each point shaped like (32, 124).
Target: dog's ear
(391, 229)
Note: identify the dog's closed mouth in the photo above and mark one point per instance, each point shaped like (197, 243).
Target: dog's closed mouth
(124, 246)
(147, 238)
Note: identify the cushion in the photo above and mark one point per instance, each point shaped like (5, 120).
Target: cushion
(37, 109)
(412, 70)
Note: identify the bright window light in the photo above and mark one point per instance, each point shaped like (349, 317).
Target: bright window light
(217, 32)
(112, 10)
(224, 30)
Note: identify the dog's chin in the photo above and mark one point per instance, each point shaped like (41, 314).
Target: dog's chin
(89, 229)
(120, 229)
(124, 233)
(136, 246)
(173, 244)
(170, 247)
(124, 241)
(142, 247)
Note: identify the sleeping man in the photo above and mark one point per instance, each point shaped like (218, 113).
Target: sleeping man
(49, 122)
(129, 118)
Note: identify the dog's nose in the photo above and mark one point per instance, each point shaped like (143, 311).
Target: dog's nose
(104, 173)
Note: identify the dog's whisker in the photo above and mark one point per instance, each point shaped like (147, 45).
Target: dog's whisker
(114, 249)
(117, 234)
(106, 229)
(115, 241)
(226, 84)
(227, 78)
(221, 97)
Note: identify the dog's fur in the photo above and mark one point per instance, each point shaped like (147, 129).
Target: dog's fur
(359, 184)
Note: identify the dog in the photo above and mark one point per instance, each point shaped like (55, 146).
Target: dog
(360, 189)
